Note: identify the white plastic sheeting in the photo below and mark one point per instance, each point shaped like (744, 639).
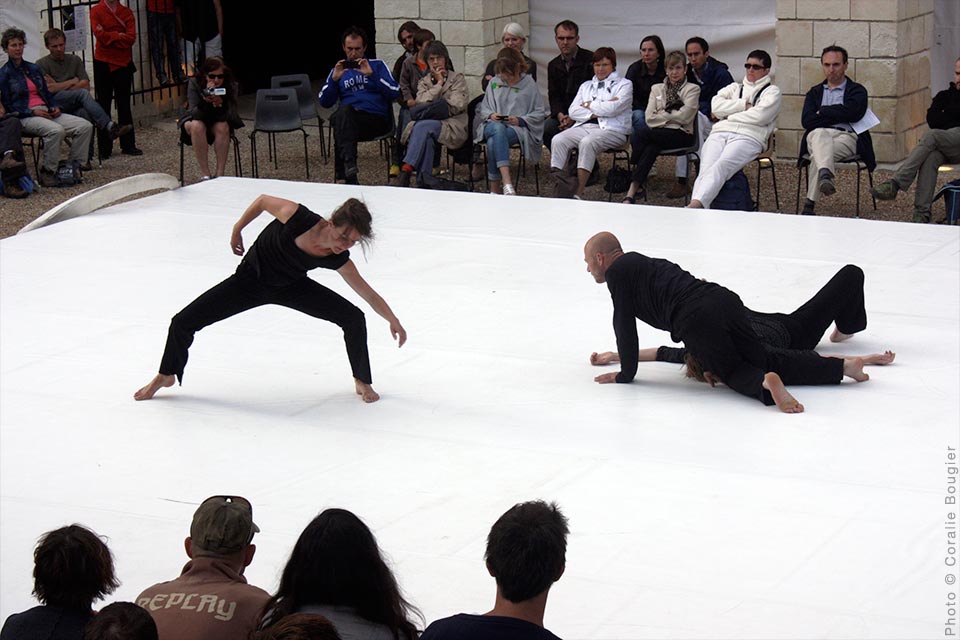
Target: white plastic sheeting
(695, 512)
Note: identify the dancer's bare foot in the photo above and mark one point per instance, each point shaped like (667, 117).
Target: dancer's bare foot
(785, 402)
(366, 392)
(836, 336)
(853, 368)
(881, 359)
(607, 357)
(160, 381)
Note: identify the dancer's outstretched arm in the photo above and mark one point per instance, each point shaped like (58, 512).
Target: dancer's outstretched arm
(648, 354)
(353, 278)
(279, 208)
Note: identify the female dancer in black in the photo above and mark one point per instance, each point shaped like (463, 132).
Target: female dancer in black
(275, 272)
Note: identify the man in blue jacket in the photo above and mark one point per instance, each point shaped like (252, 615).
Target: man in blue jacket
(24, 93)
(366, 91)
(829, 112)
(711, 75)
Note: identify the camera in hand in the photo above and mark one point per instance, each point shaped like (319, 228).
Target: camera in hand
(217, 91)
(350, 64)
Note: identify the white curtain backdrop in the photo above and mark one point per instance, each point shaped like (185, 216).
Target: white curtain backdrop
(945, 47)
(733, 29)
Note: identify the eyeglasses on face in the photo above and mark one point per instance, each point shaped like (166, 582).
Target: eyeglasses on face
(754, 67)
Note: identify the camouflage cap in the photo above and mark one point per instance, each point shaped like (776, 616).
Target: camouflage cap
(223, 525)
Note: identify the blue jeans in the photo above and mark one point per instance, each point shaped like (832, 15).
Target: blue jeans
(162, 28)
(420, 147)
(79, 102)
(499, 137)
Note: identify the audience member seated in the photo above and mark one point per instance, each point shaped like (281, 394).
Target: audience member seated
(670, 112)
(526, 554)
(220, 546)
(439, 115)
(12, 167)
(601, 114)
(829, 112)
(69, 83)
(565, 74)
(336, 571)
(644, 73)
(121, 621)
(405, 36)
(24, 93)
(746, 115)
(513, 37)
(413, 69)
(940, 145)
(365, 91)
(710, 75)
(512, 112)
(72, 568)
(299, 626)
(211, 118)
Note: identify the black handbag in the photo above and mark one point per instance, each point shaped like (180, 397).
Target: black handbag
(436, 110)
(618, 180)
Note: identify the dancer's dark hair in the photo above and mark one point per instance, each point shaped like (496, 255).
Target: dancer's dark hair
(336, 561)
(354, 214)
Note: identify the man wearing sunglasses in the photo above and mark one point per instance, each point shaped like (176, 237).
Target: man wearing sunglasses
(211, 599)
(829, 112)
(745, 115)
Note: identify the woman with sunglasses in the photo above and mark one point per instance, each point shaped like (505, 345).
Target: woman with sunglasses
(746, 115)
(274, 271)
(336, 571)
(211, 115)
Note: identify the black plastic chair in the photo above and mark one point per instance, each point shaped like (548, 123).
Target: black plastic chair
(185, 142)
(803, 172)
(35, 143)
(692, 153)
(306, 99)
(277, 111)
(388, 140)
(765, 163)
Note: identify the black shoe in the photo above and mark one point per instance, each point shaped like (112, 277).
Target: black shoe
(825, 184)
(404, 179)
(48, 179)
(351, 179)
(133, 152)
(117, 130)
(87, 167)
(808, 206)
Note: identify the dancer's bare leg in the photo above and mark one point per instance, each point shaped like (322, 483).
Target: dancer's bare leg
(159, 381)
(366, 392)
(853, 368)
(785, 402)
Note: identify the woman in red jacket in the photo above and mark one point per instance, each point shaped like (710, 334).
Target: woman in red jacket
(115, 31)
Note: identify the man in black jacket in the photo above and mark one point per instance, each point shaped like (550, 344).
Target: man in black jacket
(940, 145)
(829, 112)
(565, 74)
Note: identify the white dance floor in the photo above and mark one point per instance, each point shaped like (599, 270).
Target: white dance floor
(694, 512)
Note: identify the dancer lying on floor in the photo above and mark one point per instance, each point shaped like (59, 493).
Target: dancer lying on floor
(840, 301)
(275, 272)
(712, 323)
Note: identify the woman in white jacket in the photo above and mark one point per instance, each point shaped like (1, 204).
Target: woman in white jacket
(746, 115)
(602, 115)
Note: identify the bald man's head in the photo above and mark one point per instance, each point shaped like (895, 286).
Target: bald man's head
(599, 253)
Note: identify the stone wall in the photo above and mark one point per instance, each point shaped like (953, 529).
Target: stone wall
(470, 28)
(888, 42)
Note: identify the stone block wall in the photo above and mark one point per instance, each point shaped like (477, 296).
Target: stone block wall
(888, 42)
(470, 28)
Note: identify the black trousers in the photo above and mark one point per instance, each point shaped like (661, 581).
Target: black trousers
(241, 292)
(839, 301)
(114, 85)
(647, 145)
(718, 334)
(351, 126)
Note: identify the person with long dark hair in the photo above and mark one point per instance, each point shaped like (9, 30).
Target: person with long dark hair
(72, 568)
(275, 272)
(336, 570)
(211, 115)
(644, 73)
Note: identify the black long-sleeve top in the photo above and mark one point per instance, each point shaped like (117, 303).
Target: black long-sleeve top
(771, 329)
(562, 85)
(944, 111)
(643, 81)
(653, 290)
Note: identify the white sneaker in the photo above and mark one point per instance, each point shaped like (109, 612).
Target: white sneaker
(508, 190)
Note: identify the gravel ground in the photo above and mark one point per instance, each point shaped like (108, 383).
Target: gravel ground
(161, 154)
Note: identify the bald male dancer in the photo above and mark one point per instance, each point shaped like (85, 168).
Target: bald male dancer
(712, 323)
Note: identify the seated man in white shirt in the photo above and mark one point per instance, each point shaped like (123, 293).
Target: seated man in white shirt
(744, 115)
